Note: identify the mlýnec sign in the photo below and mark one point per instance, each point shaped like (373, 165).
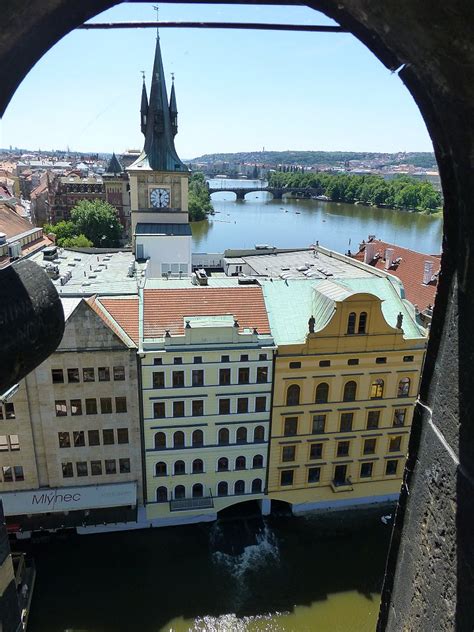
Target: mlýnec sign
(49, 499)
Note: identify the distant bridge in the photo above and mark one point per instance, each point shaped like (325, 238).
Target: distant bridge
(277, 192)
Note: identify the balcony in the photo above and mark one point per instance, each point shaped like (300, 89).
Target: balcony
(344, 485)
(189, 504)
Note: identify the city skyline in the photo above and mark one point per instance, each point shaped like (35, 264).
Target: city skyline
(236, 90)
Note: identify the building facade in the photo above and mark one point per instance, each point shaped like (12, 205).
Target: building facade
(117, 191)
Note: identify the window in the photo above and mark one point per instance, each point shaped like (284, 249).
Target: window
(161, 495)
(239, 488)
(223, 437)
(242, 405)
(224, 376)
(224, 406)
(380, 360)
(244, 375)
(158, 379)
(293, 395)
(14, 442)
(198, 378)
(73, 376)
(91, 406)
(88, 375)
(161, 469)
(288, 453)
(373, 418)
(9, 411)
(366, 470)
(178, 409)
(395, 444)
(376, 389)
(178, 379)
(160, 441)
(343, 448)
(177, 360)
(60, 406)
(120, 404)
(260, 404)
(319, 423)
(76, 407)
(96, 468)
(240, 463)
(93, 437)
(369, 446)
(198, 466)
(67, 470)
(225, 358)
(262, 356)
(3, 443)
(286, 477)
(262, 374)
(353, 361)
(108, 436)
(105, 405)
(223, 464)
(178, 439)
(157, 361)
(179, 492)
(19, 475)
(404, 387)
(346, 422)
(110, 466)
(399, 417)
(259, 434)
(314, 474)
(159, 410)
(197, 439)
(362, 323)
(257, 461)
(197, 359)
(81, 468)
(408, 358)
(63, 438)
(241, 435)
(119, 373)
(104, 374)
(256, 486)
(350, 391)
(295, 365)
(244, 357)
(290, 426)
(198, 490)
(57, 376)
(325, 363)
(122, 435)
(316, 451)
(391, 468)
(179, 468)
(351, 323)
(222, 489)
(340, 475)
(322, 393)
(7, 474)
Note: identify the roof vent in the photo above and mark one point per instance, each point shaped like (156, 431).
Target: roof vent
(427, 272)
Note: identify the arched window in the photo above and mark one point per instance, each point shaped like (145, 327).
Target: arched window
(293, 395)
(161, 469)
(242, 435)
(178, 439)
(257, 461)
(198, 466)
(256, 486)
(351, 323)
(350, 391)
(259, 434)
(362, 323)
(239, 487)
(179, 492)
(376, 389)
(160, 441)
(180, 467)
(322, 393)
(222, 464)
(223, 436)
(404, 387)
(161, 495)
(198, 490)
(198, 438)
(222, 489)
(240, 463)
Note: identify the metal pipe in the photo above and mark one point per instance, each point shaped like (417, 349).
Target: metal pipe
(262, 26)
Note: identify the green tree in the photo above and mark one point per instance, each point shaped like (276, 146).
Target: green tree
(98, 221)
(63, 230)
(199, 203)
(80, 241)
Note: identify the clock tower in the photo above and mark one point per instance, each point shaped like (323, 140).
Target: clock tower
(159, 185)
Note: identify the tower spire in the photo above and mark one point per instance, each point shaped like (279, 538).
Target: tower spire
(173, 108)
(144, 106)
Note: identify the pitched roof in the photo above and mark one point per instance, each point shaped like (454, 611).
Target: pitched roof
(114, 165)
(166, 309)
(11, 223)
(121, 316)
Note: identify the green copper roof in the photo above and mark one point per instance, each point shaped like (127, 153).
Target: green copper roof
(114, 165)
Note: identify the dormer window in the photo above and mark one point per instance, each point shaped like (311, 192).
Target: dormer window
(362, 323)
(351, 323)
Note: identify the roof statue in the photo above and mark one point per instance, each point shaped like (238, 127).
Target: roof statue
(114, 165)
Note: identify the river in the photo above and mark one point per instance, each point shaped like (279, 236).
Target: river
(292, 223)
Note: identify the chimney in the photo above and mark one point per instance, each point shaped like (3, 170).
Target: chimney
(389, 252)
(369, 252)
(427, 272)
(3, 238)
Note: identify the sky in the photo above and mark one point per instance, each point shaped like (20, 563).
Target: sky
(236, 90)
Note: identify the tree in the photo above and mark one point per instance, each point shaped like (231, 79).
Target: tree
(199, 204)
(63, 230)
(80, 241)
(98, 222)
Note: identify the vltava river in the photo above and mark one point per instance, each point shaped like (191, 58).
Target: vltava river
(297, 223)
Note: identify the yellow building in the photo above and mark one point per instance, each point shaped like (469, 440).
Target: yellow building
(346, 378)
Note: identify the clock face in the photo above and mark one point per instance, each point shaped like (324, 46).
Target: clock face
(160, 198)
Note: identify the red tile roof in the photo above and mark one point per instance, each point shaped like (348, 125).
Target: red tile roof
(124, 311)
(11, 223)
(409, 270)
(166, 309)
